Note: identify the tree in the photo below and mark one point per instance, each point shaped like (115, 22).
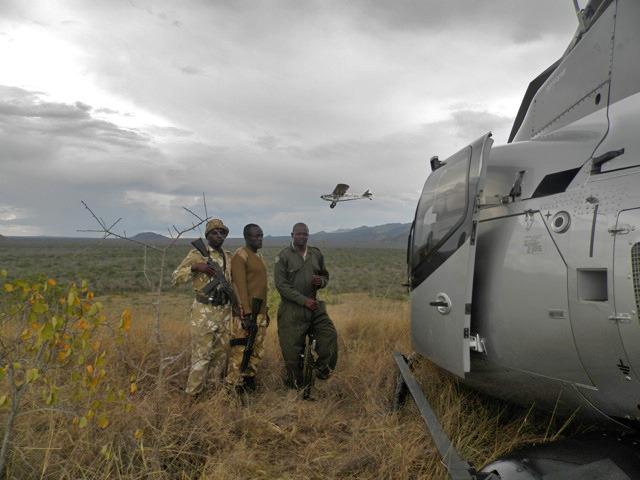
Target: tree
(157, 289)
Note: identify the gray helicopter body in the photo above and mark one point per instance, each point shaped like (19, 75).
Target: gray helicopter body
(524, 258)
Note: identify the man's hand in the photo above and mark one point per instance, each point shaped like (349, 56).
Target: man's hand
(316, 280)
(203, 268)
(311, 304)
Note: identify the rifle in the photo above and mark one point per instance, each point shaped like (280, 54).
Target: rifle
(219, 281)
(251, 326)
(307, 365)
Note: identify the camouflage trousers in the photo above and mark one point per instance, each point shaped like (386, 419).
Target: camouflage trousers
(210, 333)
(234, 375)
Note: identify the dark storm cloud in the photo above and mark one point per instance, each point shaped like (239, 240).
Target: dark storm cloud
(108, 111)
(23, 112)
(521, 20)
(22, 103)
(169, 131)
(191, 70)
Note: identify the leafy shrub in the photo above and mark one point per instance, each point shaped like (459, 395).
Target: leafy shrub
(53, 354)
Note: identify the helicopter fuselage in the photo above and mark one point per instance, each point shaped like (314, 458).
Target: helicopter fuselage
(524, 258)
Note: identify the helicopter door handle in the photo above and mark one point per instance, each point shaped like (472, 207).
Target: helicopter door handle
(620, 318)
(442, 303)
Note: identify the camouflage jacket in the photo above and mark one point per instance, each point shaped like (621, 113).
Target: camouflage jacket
(183, 273)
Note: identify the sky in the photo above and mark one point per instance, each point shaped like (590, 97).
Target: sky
(140, 107)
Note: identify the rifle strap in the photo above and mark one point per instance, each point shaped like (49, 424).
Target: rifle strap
(224, 260)
(238, 341)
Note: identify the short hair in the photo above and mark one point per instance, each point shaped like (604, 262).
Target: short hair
(299, 224)
(247, 228)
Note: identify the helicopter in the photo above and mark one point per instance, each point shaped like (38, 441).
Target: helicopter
(523, 259)
(340, 194)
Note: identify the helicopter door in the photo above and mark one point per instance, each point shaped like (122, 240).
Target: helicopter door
(442, 258)
(626, 284)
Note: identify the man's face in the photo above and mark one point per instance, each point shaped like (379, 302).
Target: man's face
(300, 235)
(216, 237)
(254, 238)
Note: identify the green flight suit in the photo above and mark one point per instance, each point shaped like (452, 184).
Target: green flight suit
(293, 275)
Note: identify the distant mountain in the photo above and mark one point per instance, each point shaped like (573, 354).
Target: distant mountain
(390, 235)
(150, 237)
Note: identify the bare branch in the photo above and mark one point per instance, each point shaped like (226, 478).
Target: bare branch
(144, 270)
(204, 202)
(114, 224)
(108, 232)
(93, 214)
(193, 213)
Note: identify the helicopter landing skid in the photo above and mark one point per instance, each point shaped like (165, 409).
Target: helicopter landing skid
(457, 467)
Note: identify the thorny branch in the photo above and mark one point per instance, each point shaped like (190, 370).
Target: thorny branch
(108, 231)
(204, 202)
(193, 213)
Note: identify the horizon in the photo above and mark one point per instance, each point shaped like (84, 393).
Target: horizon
(100, 237)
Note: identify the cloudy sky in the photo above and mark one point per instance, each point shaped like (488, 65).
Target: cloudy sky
(140, 106)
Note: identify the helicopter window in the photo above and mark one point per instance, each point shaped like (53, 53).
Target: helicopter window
(442, 207)
(555, 183)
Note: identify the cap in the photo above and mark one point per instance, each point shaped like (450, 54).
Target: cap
(215, 223)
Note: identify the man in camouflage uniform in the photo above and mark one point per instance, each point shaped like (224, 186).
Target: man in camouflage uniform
(299, 273)
(210, 320)
(249, 274)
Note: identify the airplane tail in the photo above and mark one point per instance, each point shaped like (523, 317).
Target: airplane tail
(368, 194)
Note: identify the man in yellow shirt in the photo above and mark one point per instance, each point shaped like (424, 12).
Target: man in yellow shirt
(249, 274)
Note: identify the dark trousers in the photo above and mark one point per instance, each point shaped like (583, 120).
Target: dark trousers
(294, 322)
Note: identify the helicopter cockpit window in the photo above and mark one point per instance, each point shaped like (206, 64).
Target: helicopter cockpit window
(442, 207)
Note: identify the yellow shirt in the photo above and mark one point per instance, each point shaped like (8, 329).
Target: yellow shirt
(249, 274)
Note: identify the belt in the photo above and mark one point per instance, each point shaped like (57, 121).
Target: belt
(203, 299)
(207, 301)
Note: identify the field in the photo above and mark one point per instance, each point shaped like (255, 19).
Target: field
(116, 266)
(349, 431)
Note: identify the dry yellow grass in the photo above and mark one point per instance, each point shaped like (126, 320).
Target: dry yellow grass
(347, 432)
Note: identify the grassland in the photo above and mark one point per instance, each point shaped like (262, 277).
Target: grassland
(115, 266)
(349, 431)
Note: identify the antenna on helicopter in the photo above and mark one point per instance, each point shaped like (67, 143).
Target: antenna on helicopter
(436, 163)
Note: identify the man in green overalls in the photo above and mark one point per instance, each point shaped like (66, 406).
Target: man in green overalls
(299, 274)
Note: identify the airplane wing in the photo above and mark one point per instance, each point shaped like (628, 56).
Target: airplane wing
(340, 189)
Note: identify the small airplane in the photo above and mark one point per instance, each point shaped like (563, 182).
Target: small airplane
(340, 195)
(524, 259)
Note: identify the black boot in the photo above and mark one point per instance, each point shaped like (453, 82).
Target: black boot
(249, 384)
